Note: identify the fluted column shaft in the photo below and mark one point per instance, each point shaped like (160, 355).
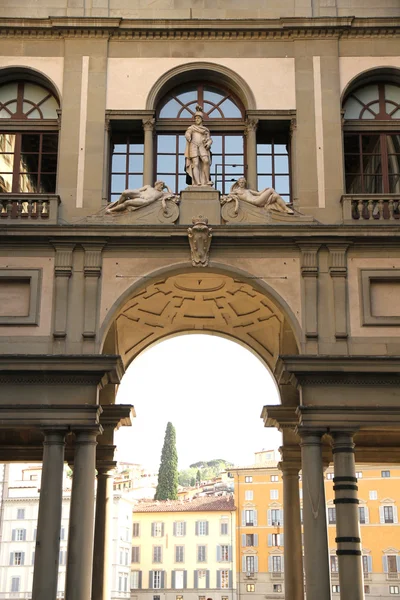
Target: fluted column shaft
(148, 167)
(251, 151)
(347, 520)
(102, 533)
(47, 549)
(78, 584)
(293, 555)
(316, 553)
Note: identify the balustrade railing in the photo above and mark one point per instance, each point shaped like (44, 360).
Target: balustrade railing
(368, 209)
(29, 209)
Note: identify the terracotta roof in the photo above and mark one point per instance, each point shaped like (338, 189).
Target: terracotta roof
(221, 503)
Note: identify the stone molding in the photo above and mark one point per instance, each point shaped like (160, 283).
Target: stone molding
(204, 29)
(117, 415)
(347, 418)
(53, 417)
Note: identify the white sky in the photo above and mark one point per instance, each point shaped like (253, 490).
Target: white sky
(210, 388)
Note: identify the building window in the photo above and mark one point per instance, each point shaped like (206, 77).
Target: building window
(135, 529)
(248, 495)
(249, 539)
(276, 517)
(359, 474)
(157, 529)
(201, 553)
(18, 535)
(17, 558)
(157, 580)
(179, 553)
(15, 584)
(277, 587)
(156, 597)
(224, 529)
(362, 514)
(273, 164)
(336, 589)
(248, 479)
(277, 564)
(367, 564)
(135, 554)
(373, 495)
(391, 563)
(385, 474)
(277, 539)
(249, 517)
(180, 528)
(372, 154)
(122, 582)
(202, 579)
(388, 514)
(28, 155)
(202, 528)
(21, 513)
(224, 574)
(179, 577)
(223, 115)
(127, 157)
(179, 597)
(135, 580)
(201, 598)
(334, 563)
(250, 587)
(331, 516)
(393, 589)
(157, 554)
(274, 478)
(330, 475)
(274, 494)
(367, 589)
(250, 564)
(223, 553)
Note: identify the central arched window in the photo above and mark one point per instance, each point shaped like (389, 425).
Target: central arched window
(223, 115)
(372, 139)
(28, 138)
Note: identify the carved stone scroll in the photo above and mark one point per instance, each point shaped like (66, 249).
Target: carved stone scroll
(200, 240)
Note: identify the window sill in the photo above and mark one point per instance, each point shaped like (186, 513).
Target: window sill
(29, 209)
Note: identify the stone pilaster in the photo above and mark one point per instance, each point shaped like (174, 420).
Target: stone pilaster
(290, 466)
(63, 272)
(47, 549)
(309, 272)
(148, 167)
(338, 272)
(251, 149)
(347, 520)
(92, 273)
(316, 553)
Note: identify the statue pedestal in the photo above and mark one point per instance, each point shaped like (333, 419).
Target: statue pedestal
(202, 200)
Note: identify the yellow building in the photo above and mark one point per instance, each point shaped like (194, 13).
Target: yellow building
(260, 530)
(184, 549)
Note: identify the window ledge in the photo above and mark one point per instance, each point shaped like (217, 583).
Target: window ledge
(366, 209)
(29, 209)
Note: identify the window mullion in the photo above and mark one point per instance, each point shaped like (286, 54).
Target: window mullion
(385, 164)
(17, 161)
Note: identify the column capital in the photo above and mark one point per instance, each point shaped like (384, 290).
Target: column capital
(309, 436)
(87, 435)
(149, 124)
(342, 441)
(250, 125)
(105, 468)
(291, 460)
(54, 436)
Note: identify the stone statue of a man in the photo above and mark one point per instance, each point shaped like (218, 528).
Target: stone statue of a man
(134, 199)
(197, 151)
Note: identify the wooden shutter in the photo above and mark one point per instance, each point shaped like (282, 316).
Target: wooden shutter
(254, 517)
(185, 579)
(395, 517)
(269, 518)
(243, 518)
(255, 539)
(195, 579)
(270, 539)
(162, 529)
(206, 527)
(184, 528)
(140, 580)
(173, 580)
(256, 564)
(34, 535)
(11, 558)
(381, 515)
(282, 564)
(270, 566)
(207, 578)
(398, 563)
(243, 564)
(366, 514)
(197, 528)
(385, 564)
(282, 543)
(174, 528)
(153, 525)
(243, 539)
(162, 579)
(150, 580)
(229, 553)
(281, 515)
(230, 579)
(369, 560)
(219, 554)
(14, 535)
(219, 580)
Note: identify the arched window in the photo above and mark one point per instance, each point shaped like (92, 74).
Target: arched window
(372, 139)
(223, 115)
(28, 138)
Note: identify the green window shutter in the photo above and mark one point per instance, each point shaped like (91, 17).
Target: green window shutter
(229, 553)
(184, 528)
(162, 529)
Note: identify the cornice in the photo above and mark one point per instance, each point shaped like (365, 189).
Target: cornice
(118, 29)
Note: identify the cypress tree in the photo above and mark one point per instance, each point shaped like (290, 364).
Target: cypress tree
(167, 487)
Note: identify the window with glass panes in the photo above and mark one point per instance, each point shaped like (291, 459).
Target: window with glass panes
(388, 514)
(276, 564)
(223, 116)
(372, 139)
(273, 165)
(127, 150)
(28, 138)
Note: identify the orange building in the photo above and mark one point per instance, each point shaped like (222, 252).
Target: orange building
(260, 529)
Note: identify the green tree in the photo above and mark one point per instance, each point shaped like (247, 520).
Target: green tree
(167, 487)
(198, 477)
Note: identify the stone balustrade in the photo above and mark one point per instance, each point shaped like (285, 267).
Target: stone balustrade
(29, 209)
(368, 208)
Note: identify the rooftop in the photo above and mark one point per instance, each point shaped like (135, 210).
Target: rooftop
(221, 503)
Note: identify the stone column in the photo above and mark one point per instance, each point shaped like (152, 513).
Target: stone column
(293, 555)
(316, 553)
(347, 521)
(102, 531)
(78, 584)
(251, 150)
(47, 550)
(148, 168)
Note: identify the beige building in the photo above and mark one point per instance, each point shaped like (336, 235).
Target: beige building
(301, 97)
(184, 549)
